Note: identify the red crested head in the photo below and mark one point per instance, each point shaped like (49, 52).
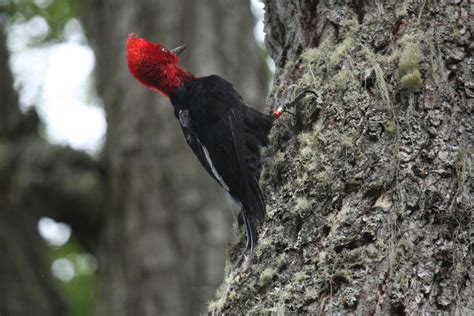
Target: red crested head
(155, 66)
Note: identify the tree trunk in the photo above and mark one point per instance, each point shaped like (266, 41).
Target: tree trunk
(25, 284)
(368, 195)
(166, 223)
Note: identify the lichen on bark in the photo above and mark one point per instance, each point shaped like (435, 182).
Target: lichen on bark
(367, 185)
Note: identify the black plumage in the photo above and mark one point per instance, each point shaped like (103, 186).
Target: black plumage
(226, 136)
(224, 133)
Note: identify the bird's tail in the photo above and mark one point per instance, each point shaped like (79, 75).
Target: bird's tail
(251, 232)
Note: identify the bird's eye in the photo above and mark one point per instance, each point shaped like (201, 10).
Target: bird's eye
(163, 50)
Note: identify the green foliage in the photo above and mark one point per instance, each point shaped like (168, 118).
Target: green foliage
(79, 291)
(55, 12)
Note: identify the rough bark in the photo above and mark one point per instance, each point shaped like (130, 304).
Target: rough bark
(368, 185)
(166, 223)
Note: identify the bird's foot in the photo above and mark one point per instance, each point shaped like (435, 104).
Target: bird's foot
(283, 108)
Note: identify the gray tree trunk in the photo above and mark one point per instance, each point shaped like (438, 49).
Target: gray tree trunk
(166, 223)
(369, 185)
(26, 287)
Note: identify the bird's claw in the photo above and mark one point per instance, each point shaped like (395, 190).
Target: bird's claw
(281, 109)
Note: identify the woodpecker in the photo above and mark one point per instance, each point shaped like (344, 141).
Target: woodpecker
(225, 134)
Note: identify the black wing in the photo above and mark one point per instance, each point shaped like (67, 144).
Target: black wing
(226, 136)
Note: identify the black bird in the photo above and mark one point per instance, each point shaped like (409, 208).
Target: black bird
(224, 133)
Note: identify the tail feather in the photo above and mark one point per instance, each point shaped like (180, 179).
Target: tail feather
(257, 127)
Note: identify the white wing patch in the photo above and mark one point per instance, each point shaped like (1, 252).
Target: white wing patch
(214, 171)
(185, 120)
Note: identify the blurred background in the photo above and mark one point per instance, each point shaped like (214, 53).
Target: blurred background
(103, 208)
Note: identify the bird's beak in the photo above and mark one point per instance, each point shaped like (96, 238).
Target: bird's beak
(178, 50)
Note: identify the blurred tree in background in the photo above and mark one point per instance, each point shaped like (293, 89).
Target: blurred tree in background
(149, 227)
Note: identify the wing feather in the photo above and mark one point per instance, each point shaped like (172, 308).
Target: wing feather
(231, 133)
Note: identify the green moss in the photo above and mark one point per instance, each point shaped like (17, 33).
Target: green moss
(223, 292)
(313, 139)
(390, 126)
(372, 57)
(281, 259)
(306, 152)
(305, 139)
(461, 165)
(316, 136)
(352, 24)
(279, 309)
(311, 55)
(302, 178)
(343, 275)
(300, 276)
(264, 243)
(340, 51)
(313, 59)
(266, 276)
(318, 54)
(401, 11)
(323, 177)
(288, 66)
(410, 58)
(347, 140)
(412, 81)
(451, 13)
(302, 204)
(354, 257)
(279, 158)
(311, 293)
(343, 79)
(311, 165)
